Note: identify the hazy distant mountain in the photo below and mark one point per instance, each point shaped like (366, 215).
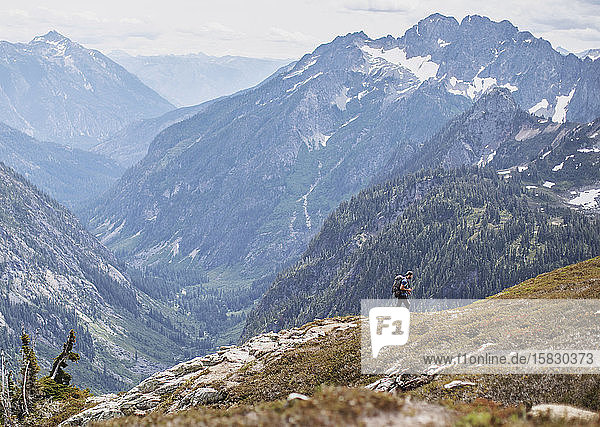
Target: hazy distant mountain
(69, 175)
(593, 54)
(55, 89)
(191, 79)
(129, 145)
(250, 179)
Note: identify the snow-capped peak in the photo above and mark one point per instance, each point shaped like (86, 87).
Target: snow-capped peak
(52, 37)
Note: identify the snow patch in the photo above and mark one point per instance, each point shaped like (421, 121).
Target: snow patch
(348, 122)
(510, 87)
(421, 66)
(342, 99)
(302, 69)
(316, 141)
(442, 43)
(549, 184)
(175, 247)
(589, 150)
(586, 199)
(526, 133)
(542, 105)
(194, 253)
(558, 167)
(473, 88)
(297, 85)
(113, 233)
(560, 111)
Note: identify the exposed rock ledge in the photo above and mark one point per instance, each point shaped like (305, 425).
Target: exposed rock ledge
(207, 379)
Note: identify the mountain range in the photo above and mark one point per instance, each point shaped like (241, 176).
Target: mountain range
(249, 180)
(473, 142)
(191, 79)
(55, 89)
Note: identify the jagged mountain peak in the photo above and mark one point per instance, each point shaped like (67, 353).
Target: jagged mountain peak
(497, 99)
(56, 89)
(51, 36)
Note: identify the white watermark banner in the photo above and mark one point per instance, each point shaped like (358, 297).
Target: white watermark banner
(491, 336)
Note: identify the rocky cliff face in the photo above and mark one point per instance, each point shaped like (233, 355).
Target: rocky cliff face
(494, 131)
(55, 89)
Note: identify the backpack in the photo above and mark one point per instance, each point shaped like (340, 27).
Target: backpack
(398, 293)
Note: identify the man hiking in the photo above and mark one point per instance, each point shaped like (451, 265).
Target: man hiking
(402, 290)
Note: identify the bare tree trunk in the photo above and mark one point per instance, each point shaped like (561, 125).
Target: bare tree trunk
(5, 395)
(26, 410)
(57, 362)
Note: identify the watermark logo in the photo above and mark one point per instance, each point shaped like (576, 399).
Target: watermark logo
(389, 326)
(488, 336)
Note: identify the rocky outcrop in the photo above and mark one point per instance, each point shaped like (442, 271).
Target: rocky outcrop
(562, 413)
(206, 380)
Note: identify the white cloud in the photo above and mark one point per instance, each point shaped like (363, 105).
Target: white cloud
(282, 29)
(379, 5)
(283, 36)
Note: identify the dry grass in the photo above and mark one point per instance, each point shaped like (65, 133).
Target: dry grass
(581, 280)
(331, 406)
(320, 367)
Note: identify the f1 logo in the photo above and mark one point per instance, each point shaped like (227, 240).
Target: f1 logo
(389, 326)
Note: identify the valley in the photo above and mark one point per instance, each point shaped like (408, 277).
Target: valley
(207, 225)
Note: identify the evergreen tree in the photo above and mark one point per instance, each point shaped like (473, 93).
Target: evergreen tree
(60, 362)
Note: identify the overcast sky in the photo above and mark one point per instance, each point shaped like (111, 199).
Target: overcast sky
(276, 28)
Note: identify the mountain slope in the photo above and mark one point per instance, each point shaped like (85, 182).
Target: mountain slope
(71, 176)
(288, 143)
(55, 276)
(466, 233)
(268, 368)
(570, 166)
(129, 145)
(55, 89)
(251, 178)
(191, 79)
(493, 131)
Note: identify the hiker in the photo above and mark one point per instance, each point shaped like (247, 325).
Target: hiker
(402, 289)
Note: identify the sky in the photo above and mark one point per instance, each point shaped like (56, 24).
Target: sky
(276, 28)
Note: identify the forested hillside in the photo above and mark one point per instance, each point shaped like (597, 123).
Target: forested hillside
(466, 233)
(55, 276)
(69, 175)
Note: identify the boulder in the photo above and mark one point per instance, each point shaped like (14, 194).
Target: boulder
(562, 413)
